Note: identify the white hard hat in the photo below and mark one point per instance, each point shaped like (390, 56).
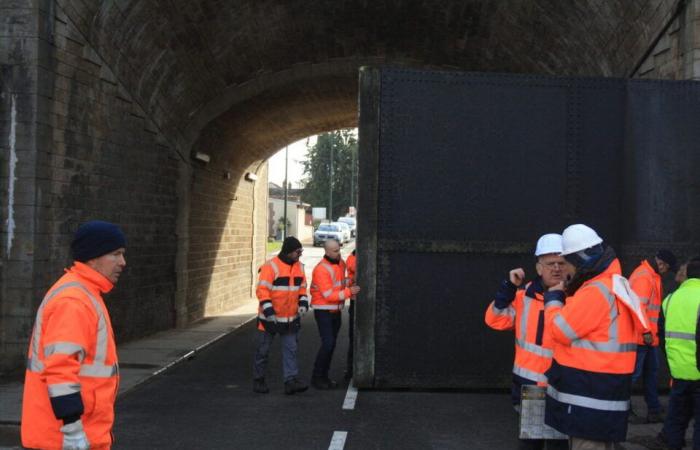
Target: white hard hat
(579, 237)
(549, 243)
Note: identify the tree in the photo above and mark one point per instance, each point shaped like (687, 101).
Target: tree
(317, 172)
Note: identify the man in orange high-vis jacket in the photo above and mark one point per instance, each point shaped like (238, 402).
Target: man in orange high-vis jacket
(522, 310)
(351, 267)
(645, 280)
(594, 346)
(328, 295)
(72, 373)
(281, 292)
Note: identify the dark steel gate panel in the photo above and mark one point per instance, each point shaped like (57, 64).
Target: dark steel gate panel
(460, 173)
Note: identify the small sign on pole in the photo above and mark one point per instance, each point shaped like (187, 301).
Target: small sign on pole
(318, 213)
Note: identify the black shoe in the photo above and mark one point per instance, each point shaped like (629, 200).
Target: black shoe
(635, 419)
(293, 386)
(323, 383)
(260, 386)
(655, 417)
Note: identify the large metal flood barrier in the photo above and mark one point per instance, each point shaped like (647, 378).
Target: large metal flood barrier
(460, 173)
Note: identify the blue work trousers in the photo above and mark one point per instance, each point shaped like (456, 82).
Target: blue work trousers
(683, 405)
(290, 368)
(647, 368)
(328, 324)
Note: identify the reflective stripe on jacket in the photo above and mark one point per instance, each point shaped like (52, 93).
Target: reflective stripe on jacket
(533, 348)
(646, 283)
(72, 359)
(594, 341)
(280, 285)
(328, 286)
(681, 314)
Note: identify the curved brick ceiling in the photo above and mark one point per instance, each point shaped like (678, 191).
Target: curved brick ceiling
(261, 73)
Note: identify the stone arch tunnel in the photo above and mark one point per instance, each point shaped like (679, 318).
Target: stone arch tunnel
(103, 104)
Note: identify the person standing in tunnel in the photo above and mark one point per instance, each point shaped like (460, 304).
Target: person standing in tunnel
(281, 292)
(72, 371)
(646, 282)
(522, 310)
(351, 264)
(594, 341)
(680, 335)
(328, 295)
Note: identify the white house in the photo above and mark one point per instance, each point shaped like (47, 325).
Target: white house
(300, 223)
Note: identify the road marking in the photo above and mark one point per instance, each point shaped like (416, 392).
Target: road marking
(338, 440)
(350, 397)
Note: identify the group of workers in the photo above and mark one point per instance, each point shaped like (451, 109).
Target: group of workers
(282, 293)
(586, 334)
(72, 373)
(582, 332)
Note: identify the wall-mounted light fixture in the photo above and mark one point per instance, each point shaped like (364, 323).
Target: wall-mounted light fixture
(250, 176)
(199, 156)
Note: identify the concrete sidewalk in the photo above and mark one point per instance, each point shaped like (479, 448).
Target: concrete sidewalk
(139, 360)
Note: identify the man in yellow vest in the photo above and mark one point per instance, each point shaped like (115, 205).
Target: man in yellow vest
(72, 374)
(680, 329)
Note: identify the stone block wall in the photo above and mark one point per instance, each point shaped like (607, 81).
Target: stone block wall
(83, 148)
(227, 236)
(675, 51)
(20, 134)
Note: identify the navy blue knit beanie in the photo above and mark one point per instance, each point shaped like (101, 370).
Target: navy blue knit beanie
(668, 257)
(96, 238)
(289, 245)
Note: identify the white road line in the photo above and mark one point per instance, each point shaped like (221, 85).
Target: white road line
(350, 397)
(338, 440)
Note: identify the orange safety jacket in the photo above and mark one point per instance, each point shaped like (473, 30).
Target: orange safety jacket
(351, 267)
(594, 341)
(533, 347)
(283, 286)
(646, 283)
(72, 367)
(329, 286)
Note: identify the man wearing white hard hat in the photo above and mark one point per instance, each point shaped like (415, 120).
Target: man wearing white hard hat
(594, 339)
(522, 310)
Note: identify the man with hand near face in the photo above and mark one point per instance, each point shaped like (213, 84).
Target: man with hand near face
(522, 310)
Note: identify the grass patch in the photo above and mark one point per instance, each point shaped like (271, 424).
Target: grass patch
(274, 246)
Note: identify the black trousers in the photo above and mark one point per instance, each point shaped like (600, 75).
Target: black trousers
(351, 335)
(328, 324)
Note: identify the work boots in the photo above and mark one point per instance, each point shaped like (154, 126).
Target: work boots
(323, 383)
(293, 386)
(260, 386)
(656, 417)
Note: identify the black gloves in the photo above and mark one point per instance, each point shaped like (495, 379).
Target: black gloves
(505, 294)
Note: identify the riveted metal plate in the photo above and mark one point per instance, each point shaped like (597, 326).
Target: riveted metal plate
(462, 172)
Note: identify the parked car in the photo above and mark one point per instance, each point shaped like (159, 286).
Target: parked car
(352, 223)
(327, 231)
(346, 230)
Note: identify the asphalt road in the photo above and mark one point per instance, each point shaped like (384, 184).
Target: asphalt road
(208, 403)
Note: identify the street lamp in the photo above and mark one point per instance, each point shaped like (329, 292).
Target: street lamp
(284, 230)
(330, 185)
